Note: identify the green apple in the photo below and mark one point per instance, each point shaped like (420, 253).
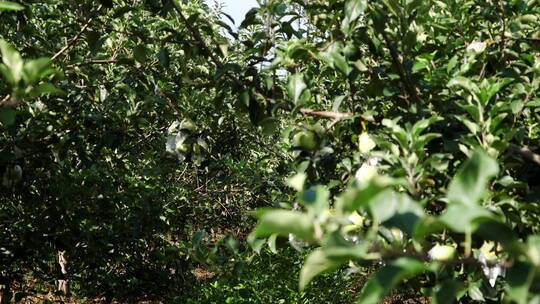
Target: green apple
(305, 140)
(187, 124)
(182, 147)
(442, 252)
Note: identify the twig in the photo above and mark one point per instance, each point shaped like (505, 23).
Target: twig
(335, 115)
(196, 35)
(503, 20)
(169, 101)
(394, 254)
(98, 61)
(223, 206)
(398, 65)
(5, 101)
(74, 40)
(525, 103)
(530, 39)
(526, 153)
(200, 188)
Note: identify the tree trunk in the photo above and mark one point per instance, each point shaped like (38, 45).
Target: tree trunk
(63, 282)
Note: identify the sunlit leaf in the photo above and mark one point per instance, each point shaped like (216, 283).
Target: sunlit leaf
(465, 218)
(283, 222)
(34, 69)
(386, 278)
(316, 263)
(353, 10)
(315, 199)
(13, 61)
(10, 6)
(354, 198)
(470, 183)
(297, 181)
(463, 83)
(296, 87)
(45, 88)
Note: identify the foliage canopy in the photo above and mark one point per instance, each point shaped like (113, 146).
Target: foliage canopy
(392, 141)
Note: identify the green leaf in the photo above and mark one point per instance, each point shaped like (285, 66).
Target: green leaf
(45, 88)
(365, 143)
(316, 263)
(224, 48)
(340, 62)
(10, 6)
(427, 227)
(6, 72)
(164, 57)
(446, 292)
(533, 249)
(475, 293)
(469, 184)
(334, 57)
(520, 278)
(423, 124)
(494, 122)
(139, 53)
(296, 87)
(297, 181)
(473, 127)
(269, 125)
(353, 10)
(256, 244)
(388, 277)
(315, 199)
(7, 116)
(383, 206)
(396, 210)
(494, 230)
(250, 18)
(422, 140)
(13, 61)
(465, 218)
(419, 65)
(283, 222)
(34, 69)
(272, 243)
(93, 38)
(103, 93)
(464, 83)
(490, 89)
(326, 259)
(516, 106)
(473, 110)
(354, 198)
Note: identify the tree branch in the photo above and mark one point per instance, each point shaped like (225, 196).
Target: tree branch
(398, 65)
(169, 101)
(335, 115)
(9, 102)
(526, 153)
(196, 35)
(74, 40)
(6, 101)
(101, 62)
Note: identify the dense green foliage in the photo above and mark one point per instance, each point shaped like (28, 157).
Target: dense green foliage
(156, 151)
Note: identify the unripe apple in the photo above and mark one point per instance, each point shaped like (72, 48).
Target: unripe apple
(442, 252)
(182, 147)
(305, 140)
(187, 124)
